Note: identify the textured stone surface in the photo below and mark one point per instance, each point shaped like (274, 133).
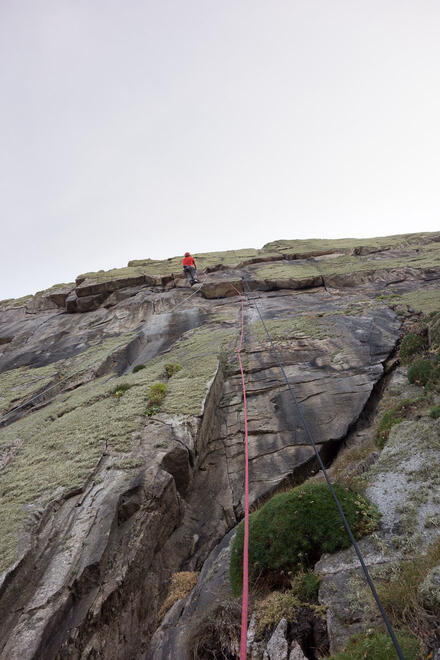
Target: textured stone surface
(102, 503)
(278, 646)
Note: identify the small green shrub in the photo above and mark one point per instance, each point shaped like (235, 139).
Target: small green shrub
(172, 368)
(120, 389)
(420, 372)
(157, 393)
(292, 530)
(412, 344)
(151, 410)
(137, 368)
(378, 646)
(435, 412)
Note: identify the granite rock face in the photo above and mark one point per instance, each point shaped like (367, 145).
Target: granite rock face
(102, 503)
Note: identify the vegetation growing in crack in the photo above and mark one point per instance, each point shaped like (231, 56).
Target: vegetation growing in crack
(409, 594)
(291, 531)
(182, 584)
(403, 410)
(376, 645)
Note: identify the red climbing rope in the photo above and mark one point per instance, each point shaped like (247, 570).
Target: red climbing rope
(244, 608)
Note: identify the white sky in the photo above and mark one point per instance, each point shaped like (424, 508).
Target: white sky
(140, 128)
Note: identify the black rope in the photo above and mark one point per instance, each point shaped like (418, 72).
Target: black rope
(335, 497)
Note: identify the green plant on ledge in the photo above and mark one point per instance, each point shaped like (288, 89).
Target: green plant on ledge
(172, 368)
(137, 368)
(157, 394)
(379, 646)
(292, 530)
(120, 390)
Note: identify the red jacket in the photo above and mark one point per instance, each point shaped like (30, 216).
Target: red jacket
(188, 261)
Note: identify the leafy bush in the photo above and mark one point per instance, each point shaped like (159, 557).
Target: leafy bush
(435, 412)
(138, 367)
(157, 395)
(293, 529)
(412, 344)
(378, 646)
(172, 368)
(120, 389)
(420, 372)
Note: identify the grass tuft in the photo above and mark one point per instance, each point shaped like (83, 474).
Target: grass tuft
(181, 586)
(120, 390)
(172, 368)
(435, 412)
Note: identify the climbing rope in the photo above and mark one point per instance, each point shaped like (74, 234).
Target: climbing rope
(75, 373)
(306, 428)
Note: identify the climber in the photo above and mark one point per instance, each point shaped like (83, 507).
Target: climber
(190, 269)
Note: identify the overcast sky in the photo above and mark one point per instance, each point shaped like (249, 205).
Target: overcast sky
(141, 128)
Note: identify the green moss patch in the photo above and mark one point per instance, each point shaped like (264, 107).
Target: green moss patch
(17, 385)
(424, 257)
(420, 301)
(379, 646)
(165, 267)
(293, 529)
(58, 447)
(329, 245)
(403, 410)
(435, 412)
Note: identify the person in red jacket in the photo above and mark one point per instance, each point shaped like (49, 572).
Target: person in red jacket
(190, 268)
